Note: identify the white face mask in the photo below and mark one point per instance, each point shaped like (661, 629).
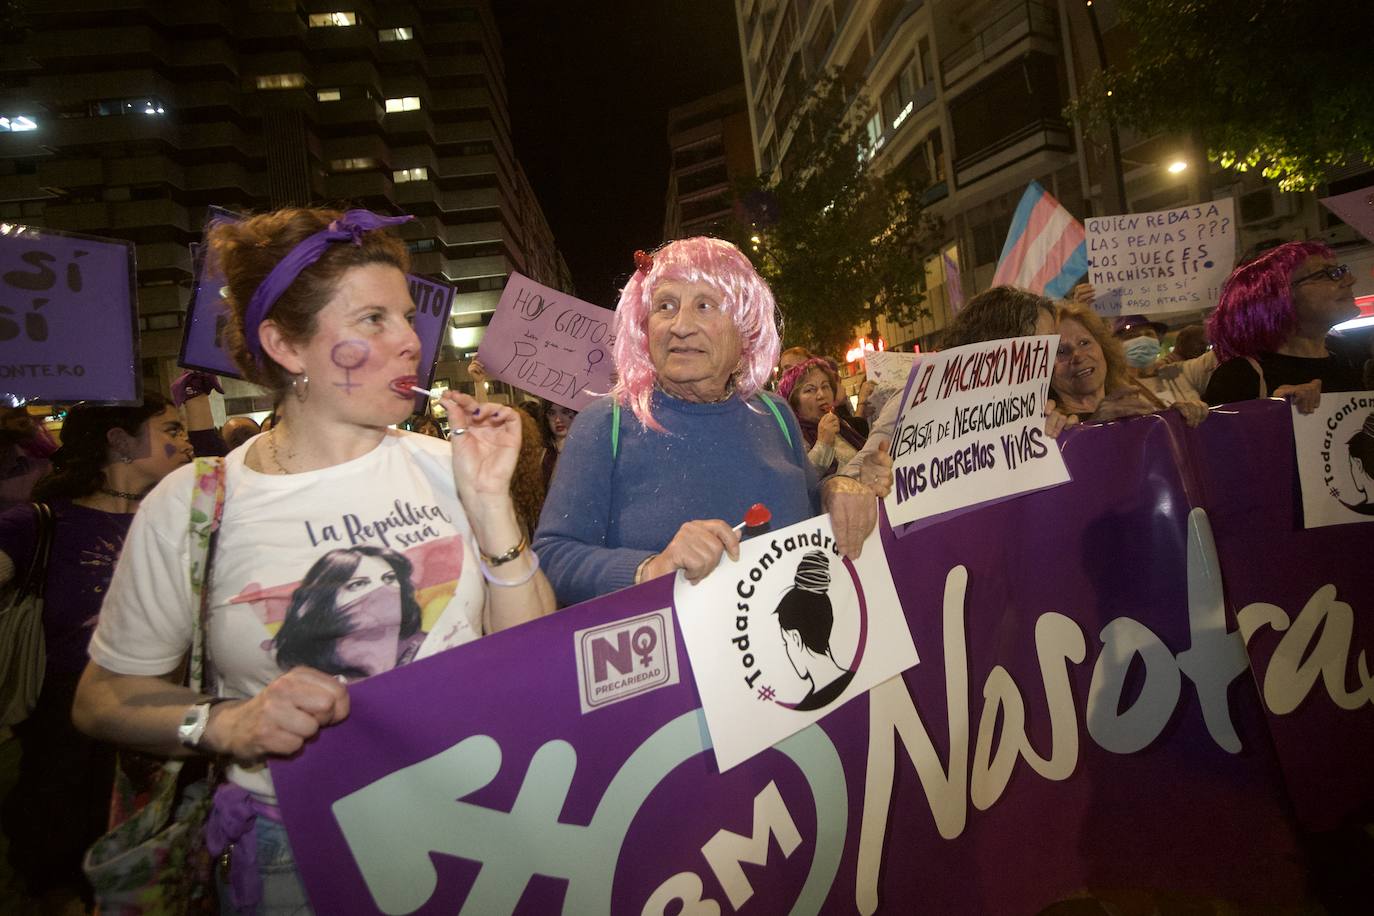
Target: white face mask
(1141, 351)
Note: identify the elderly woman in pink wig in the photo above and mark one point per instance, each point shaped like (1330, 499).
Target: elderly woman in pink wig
(654, 477)
(1270, 328)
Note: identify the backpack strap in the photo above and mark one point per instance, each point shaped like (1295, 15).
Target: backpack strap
(37, 575)
(767, 402)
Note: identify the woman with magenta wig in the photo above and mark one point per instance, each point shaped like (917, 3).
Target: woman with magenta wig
(654, 477)
(1270, 328)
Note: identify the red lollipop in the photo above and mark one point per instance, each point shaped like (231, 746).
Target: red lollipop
(757, 515)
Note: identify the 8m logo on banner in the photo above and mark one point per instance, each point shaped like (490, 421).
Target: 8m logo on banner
(616, 661)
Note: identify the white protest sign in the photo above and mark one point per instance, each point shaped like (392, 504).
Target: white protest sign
(889, 369)
(1335, 455)
(1165, 261)
(788, 633)
(971, 429)
(549, 343)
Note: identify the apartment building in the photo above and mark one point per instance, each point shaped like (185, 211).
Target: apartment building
(711, 150)
(968, 96)
(129, 118)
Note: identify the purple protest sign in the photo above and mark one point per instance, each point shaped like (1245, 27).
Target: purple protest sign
(433, 303)
(68, 317)
(1083, 718)
(202, 341)
(1309, 635)
(203, 345)
(549, 343)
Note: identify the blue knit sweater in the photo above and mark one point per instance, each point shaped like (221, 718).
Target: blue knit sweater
(604, 516)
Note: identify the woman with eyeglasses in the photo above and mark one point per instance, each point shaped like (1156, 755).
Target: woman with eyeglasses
(1270, 328)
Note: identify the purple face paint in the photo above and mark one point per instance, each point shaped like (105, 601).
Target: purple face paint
(169, 449)
(349, 355)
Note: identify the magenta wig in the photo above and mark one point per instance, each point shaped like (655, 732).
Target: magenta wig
(744, 296)
(1256, 312)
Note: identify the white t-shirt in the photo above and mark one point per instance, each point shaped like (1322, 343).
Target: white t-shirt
(330, 568)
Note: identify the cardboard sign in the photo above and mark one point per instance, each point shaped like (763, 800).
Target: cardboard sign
(1165, 261)
(68, 318)
(1072, 723)
(810, 630)
(889, 368)
(1335, 456)
(549, 343)
(972, 429)
(1356, 210)
(203, 345)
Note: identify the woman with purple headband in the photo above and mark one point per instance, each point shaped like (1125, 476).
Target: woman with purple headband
(345, 544)
(1269, 330)
(654, 478)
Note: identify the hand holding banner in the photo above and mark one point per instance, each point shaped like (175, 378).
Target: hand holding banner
(549, 343)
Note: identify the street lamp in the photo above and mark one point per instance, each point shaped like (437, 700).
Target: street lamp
(1178, 165)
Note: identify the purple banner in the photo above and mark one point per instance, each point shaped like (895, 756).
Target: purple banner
(203, 345)
(1083, 718)
(68, 317)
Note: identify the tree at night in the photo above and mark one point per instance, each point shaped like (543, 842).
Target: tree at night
(839, 244)
(1273, 85)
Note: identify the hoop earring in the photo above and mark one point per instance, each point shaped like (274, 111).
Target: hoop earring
(300, 387)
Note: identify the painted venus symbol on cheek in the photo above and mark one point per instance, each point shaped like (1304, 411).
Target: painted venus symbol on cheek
(349, 355)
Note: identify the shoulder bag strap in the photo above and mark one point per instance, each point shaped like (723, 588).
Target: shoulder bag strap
(207, 509)
(1254, 364)
(777, 415)
(36, 578)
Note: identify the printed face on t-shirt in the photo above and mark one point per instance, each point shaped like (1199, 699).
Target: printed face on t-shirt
(363, 356)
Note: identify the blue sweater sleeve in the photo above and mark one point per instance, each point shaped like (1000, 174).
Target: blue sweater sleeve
(572, 535)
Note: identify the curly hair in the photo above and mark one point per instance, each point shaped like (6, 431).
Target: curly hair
(1256, 313)
(527, 481)
(245, 252)
(1117, 375)
(79, 465)
(746, 298)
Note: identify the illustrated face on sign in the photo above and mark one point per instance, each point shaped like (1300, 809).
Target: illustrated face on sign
(1319, 300)
(363, 357)
(813, 395)
(1361, 447)
(693, 343)
(1080, 369)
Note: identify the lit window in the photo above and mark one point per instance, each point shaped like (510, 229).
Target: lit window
(322, 20)
(18, 123)
(401, 34)
(104, 108)
(281, 81)
(327, 95)
(352, 165)
(419, 173)
(408, 103)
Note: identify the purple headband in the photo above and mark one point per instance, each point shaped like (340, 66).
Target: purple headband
(349, 227)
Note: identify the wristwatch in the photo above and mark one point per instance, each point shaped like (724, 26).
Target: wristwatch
(192, 727)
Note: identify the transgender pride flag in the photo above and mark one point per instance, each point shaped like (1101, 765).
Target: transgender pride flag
(1045, 251)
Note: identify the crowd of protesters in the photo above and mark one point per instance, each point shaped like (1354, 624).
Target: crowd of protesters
(707, 416)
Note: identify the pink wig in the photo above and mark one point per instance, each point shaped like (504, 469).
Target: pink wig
(744, 296)
(1256, 312)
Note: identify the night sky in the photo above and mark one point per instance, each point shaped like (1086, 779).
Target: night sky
(590, 85)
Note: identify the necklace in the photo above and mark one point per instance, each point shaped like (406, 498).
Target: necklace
(272, 450)
(120, 494)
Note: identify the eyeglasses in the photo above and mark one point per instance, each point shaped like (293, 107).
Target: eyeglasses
(1333, 273)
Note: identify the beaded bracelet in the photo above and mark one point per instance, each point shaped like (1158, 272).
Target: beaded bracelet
(509, 583)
